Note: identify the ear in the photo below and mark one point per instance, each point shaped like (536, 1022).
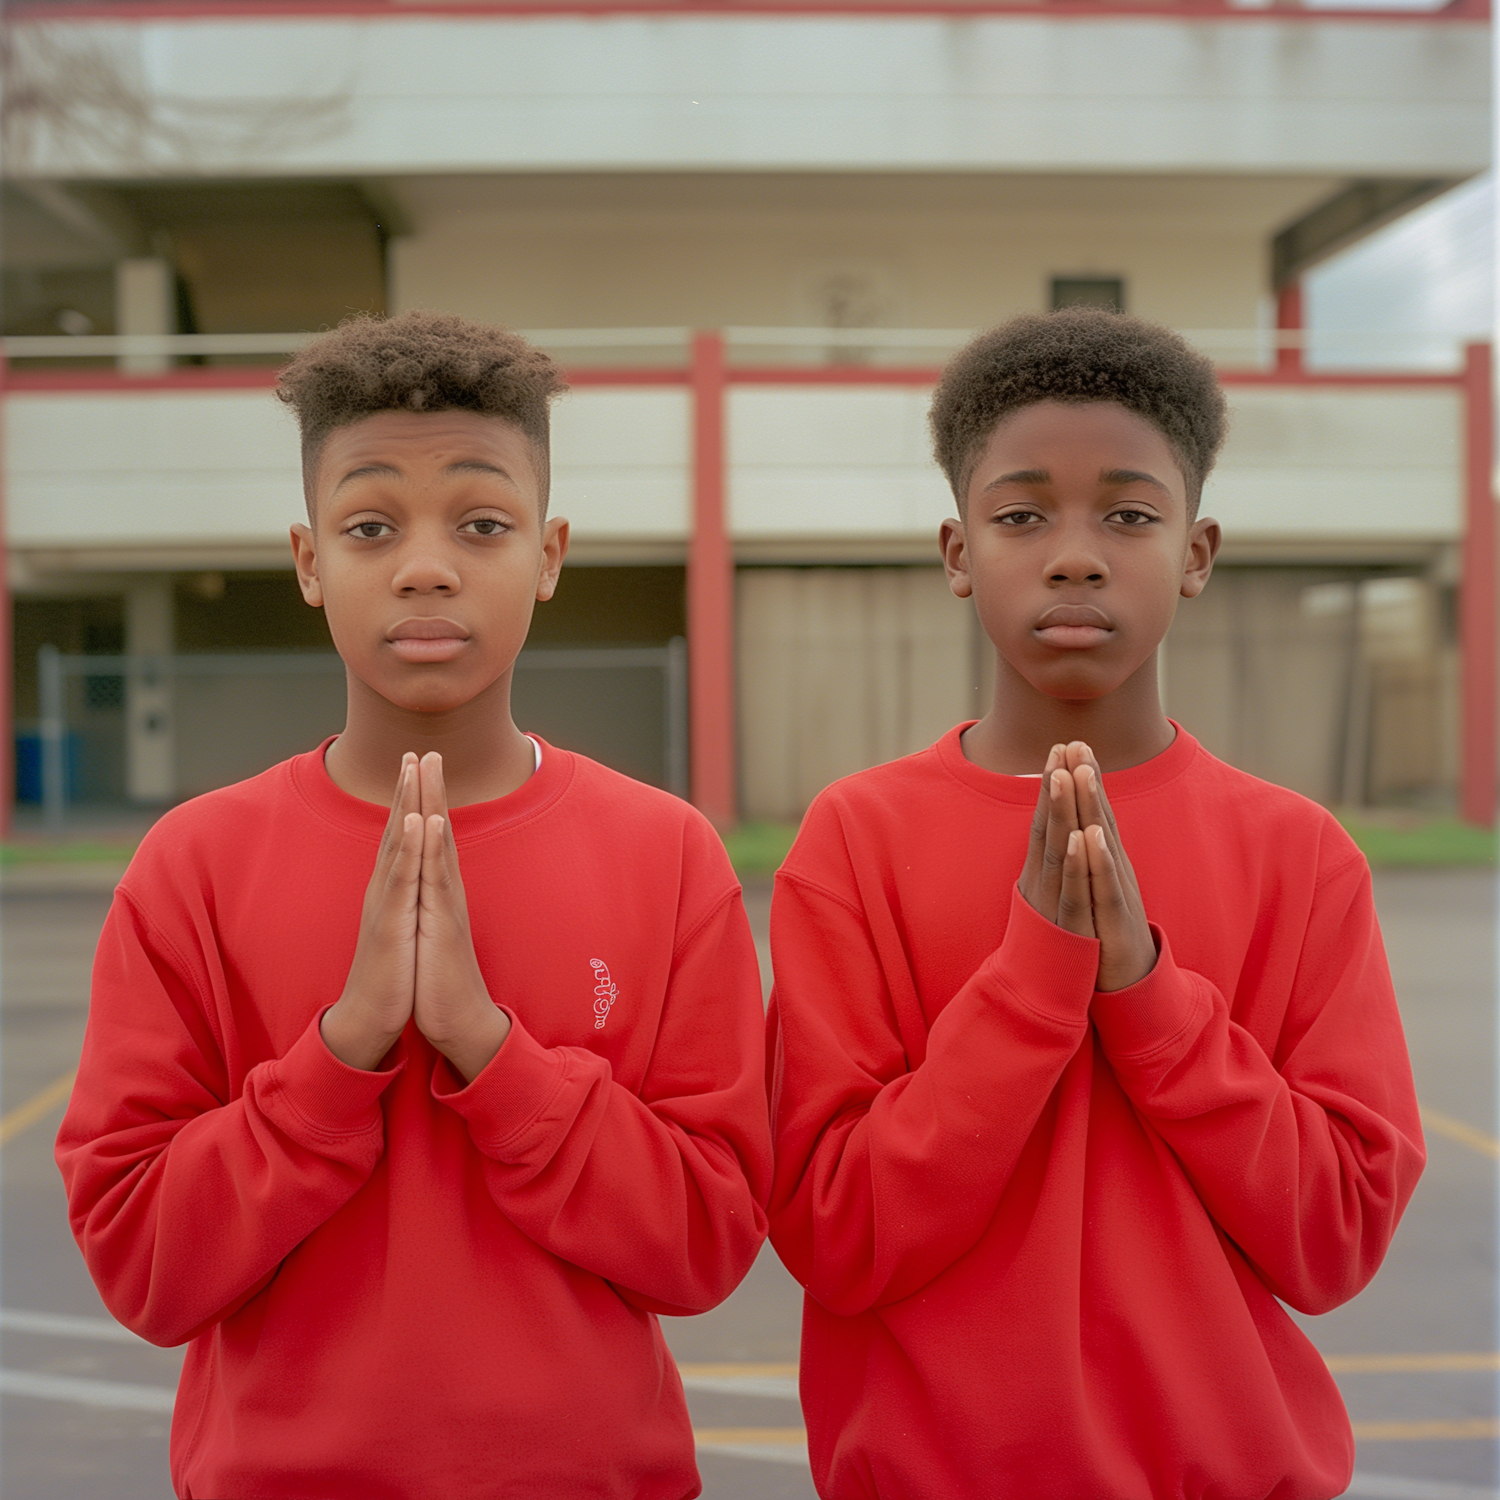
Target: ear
(954, 545)
(305, 556)
(554, 550)
(1204, 541)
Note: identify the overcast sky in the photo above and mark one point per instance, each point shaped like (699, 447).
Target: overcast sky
(1413, 292)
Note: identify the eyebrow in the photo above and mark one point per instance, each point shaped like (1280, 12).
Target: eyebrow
(1020, 476)
(384, 471)
(1108, 476)
(390, 471)
(477, 466)
(1133, 476)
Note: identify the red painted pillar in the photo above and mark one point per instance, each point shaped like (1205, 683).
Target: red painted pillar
(1477, 620)
(710, 597)
(1289, 320)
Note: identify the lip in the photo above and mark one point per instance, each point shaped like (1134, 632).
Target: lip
(427, 638)
(1074, 627)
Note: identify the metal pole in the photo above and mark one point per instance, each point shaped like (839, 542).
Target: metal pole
(710, 595)
(1479, 611)
(54, 738)
(677, 725)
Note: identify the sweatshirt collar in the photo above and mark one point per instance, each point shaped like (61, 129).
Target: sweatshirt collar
(1134, 781)
(367, 820)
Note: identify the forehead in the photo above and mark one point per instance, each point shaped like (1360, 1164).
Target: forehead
(1061, 435)
(424, 445)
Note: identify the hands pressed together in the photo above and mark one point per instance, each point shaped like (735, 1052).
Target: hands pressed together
(1077, 873)
(415, 956)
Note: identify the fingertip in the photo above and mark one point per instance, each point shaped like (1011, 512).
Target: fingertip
(1099, 838)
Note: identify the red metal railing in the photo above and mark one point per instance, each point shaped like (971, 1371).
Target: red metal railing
(1186, 10)
(708, 375)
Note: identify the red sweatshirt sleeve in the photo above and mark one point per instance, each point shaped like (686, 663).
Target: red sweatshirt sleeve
(887, 1173)
(182, 1198)
(1305, 1159)
(662, 1193)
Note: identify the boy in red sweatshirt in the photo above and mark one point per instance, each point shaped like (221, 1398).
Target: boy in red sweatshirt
(1073, 1084)
(412, 1159)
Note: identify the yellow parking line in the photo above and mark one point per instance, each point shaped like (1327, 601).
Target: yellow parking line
(1486, 1428)
(38, 1107)
(1341, 1364)
(1395, 1364)
(1403, 1432)
(1465, 1135)
(749, 1437)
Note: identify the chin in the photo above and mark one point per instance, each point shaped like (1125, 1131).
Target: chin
(1075, 685)
(430, 693)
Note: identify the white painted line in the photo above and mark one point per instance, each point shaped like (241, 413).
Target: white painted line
(1398, 1487)
(60, 1325)
(781, 1387)
(116, 1394)
(775, 1453)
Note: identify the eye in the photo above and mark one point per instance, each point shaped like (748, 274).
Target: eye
(1133, 517)
(1017, 517)
(370, 531)
(486, 526)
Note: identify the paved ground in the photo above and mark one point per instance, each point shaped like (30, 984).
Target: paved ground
(1415, 1354)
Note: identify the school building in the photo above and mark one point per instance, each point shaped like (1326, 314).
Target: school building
(751, 230)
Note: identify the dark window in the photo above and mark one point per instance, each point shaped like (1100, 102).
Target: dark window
(1089, 291)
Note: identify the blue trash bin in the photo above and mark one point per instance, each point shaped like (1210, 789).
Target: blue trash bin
(29, 766)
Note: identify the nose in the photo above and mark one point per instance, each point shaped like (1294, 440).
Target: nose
(1077, 558)
(424, 568)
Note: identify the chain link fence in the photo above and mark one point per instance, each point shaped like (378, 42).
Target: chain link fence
(156, 729)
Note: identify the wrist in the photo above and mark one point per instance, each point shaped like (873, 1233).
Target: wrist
(352, 1039)
(471, 1046)
(1114, 977)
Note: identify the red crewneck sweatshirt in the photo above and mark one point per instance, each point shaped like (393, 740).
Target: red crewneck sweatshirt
(397, 1287)
(1044, 1230)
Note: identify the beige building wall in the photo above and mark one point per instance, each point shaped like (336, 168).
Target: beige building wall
(1339, 686)
(843, 668)
(945, 251)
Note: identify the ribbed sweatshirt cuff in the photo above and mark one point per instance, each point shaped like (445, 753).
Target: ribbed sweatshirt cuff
(1150, 1013)
(508, 1094)
(330, 1096)
(1049, 970)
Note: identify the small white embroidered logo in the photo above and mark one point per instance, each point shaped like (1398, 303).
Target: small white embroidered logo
(605, 990)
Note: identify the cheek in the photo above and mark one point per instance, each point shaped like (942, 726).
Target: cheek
(1157, 584)
(351, 603)
(1005, 598)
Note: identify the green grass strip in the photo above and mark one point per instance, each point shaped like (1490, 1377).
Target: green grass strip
(1394, 842)
(1388, 840)
(54, 854)
(759, 848)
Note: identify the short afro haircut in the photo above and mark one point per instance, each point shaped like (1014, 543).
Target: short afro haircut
(1079, 355)
(421, 362)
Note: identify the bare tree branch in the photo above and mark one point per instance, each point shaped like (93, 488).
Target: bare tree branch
(72, 99)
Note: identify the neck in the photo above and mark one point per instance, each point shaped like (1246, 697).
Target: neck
(1123, 728)
(484, 755)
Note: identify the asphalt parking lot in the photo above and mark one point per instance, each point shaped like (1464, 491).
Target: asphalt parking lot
(85, 1407)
